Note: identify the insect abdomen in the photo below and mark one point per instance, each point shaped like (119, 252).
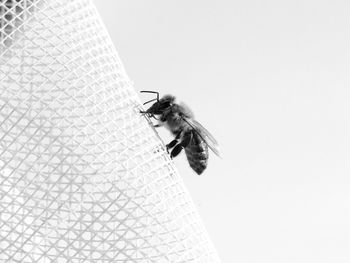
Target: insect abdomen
(197, 154)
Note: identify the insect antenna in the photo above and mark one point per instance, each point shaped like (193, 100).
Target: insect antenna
(149, 101)
(148, 91)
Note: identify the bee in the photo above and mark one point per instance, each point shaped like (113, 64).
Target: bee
(189, 134)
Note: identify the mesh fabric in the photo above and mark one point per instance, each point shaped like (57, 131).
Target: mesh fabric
(83, 176)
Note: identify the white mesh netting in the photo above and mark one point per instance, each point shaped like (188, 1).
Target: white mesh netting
(83, 176)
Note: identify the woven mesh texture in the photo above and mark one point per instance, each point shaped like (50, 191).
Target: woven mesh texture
(83, 176)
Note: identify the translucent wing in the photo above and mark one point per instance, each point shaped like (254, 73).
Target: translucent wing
(204, 134)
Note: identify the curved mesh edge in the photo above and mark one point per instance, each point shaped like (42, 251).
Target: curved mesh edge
(83, 176)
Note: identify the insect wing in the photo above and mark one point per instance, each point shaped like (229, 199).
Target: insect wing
(205, 134)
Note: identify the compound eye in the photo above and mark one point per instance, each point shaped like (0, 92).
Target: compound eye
(165, 105)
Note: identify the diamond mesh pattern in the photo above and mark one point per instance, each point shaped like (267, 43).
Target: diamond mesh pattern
(83, 177)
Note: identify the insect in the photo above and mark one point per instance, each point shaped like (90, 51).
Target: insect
(189, 134)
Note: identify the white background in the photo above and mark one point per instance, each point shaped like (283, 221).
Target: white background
(270, 79)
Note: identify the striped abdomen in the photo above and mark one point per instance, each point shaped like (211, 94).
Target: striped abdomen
(197, 153)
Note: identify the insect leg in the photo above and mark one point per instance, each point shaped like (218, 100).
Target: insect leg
(183, 144)
(175, 152)
(173, 142)
(149, 115)
(154, 117)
